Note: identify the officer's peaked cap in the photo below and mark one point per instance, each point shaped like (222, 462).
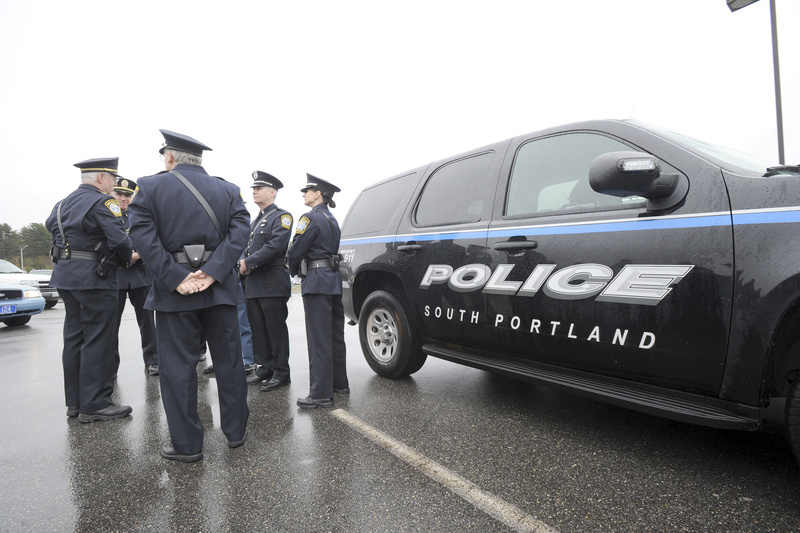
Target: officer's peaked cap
(263, 179)
(320, 184)
(125, 185)
(101, 164)
(182, 143)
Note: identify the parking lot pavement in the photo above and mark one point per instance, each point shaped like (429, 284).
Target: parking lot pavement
(452, 449)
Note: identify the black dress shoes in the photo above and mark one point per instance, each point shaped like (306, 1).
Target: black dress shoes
(209, 369)
(312, 403)
(237, 443)
(112, 412)
(73, 411)
(345, 390)
(255, 378)
(274, 384)
(168, 452)
(152, 370)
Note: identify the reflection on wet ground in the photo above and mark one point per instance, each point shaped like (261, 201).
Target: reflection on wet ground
(563, 461)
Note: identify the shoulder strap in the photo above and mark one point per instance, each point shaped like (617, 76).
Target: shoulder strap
(330, 221)
(60, 227)
(200, 199)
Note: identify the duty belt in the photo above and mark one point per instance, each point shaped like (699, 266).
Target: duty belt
(181, 258)
(319, 263)
(77, 254)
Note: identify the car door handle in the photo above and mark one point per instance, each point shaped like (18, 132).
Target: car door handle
(409, 247)
(515, 246)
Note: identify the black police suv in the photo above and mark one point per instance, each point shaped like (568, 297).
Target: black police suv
(619, 261)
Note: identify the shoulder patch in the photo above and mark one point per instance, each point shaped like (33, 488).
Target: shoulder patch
(113, 206)
(302, 224)
(286, 221)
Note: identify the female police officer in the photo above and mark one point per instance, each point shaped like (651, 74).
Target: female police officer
(314, 255)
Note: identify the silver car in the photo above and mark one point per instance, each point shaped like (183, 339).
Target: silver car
(10, 273)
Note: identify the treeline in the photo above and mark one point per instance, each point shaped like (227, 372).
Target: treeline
(34, 240)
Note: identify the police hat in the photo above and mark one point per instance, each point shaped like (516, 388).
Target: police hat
(181, 143)
(321, 185)
(125, 185)
(101, 164)
(262, 179)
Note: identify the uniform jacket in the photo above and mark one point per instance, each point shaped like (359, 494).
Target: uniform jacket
(316, 237)
(265, 255)
(165, 216)
(89, 217)
(137, 275)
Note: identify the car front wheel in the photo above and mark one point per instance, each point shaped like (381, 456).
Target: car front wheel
(389, 338)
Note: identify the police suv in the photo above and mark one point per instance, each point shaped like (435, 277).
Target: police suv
(625, 263)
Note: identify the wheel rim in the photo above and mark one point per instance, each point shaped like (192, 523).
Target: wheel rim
(381, 335)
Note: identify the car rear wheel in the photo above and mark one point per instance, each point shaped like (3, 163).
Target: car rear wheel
(389, 338)
(17, 321)
(793, 418)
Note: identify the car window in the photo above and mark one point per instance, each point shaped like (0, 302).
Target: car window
(552, 174)
(374, 207)
(456, 192)
(9, 268)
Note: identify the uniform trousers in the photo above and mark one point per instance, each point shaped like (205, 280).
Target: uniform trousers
(179, 335)
(145, 319)
(90, 327)
(326, 348)
(270, 336)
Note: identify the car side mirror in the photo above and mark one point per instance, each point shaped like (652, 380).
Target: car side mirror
(637, 174)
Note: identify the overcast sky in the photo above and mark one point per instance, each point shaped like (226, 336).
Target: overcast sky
(358, 91)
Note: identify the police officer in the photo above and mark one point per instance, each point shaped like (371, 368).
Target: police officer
(267, 285)
(134, 283)
(191, 228)
(88, 240)
(314, 254)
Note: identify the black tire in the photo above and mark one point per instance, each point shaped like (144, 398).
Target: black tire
(389, 337)
(17, 321)
(793, 418)
(51, 304)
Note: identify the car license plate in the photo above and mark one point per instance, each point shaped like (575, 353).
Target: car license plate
(7, 309)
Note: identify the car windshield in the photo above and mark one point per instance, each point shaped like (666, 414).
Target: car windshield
(8, 268)
(725, 155)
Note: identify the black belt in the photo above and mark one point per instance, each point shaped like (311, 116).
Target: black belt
(319, 263)
(181, 258)
(77, 254)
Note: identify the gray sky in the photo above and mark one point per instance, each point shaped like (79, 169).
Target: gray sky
(357, 91)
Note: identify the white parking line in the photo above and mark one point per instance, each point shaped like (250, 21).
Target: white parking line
(509, 514)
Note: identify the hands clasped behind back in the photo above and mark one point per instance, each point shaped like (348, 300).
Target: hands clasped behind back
(195, 282)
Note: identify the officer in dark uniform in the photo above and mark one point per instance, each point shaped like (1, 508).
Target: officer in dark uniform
(314, 255)
(88, 243)
(191, 229)
(267, 285)
(134, 283)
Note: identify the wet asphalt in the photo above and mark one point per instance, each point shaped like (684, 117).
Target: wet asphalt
(451, 449)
